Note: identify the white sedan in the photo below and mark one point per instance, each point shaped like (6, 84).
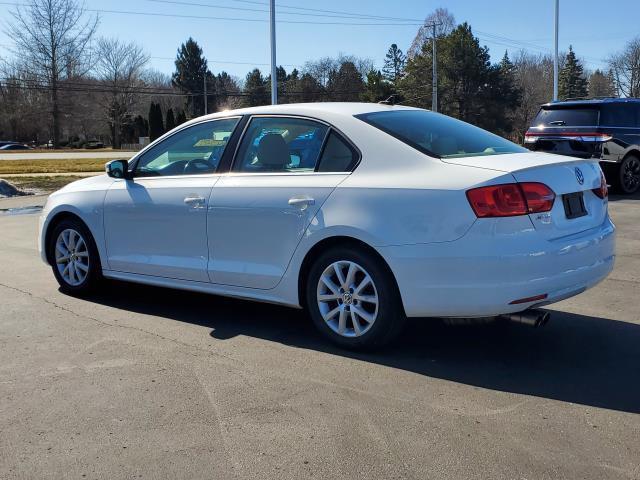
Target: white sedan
(363, 214)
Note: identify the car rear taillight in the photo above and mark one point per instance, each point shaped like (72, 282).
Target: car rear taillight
(511, 199)
(539, 197)
(602, 191)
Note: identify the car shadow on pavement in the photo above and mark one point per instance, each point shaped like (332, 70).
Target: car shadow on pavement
(580, 359)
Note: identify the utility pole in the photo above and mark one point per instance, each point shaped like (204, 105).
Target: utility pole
(555, 56)
(434, 99)
(434, 95)
(206, 103)
(274, 72)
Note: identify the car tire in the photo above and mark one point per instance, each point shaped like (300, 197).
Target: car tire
(353, 299)
(626, 179)
(74, 257)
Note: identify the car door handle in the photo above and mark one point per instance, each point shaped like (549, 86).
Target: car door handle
(194, 201)
(301, 202)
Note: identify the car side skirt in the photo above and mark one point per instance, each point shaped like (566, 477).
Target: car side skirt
(266, 296)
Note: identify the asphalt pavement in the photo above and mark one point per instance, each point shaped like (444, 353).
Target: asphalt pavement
(143, 382)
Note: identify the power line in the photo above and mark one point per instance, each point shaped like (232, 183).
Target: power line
(232, 62)
(485, 36)
(295, 7)
(323, 15)
(227, 19)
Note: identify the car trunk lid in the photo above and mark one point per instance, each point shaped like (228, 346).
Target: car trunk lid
(572, 180)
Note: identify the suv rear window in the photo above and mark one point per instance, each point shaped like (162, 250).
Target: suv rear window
(570, 117)
(438, 135)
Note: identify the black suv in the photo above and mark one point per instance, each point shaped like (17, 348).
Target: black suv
(607, 129)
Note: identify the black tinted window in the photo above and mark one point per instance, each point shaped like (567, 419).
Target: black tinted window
(337, 156)
(439, 135)
(620, 115)
(572, 117)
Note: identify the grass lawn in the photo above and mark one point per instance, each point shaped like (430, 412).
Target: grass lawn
(43, 184)
(52, 166)
(60, 150)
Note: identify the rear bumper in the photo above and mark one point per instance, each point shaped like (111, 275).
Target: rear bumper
(491, 266)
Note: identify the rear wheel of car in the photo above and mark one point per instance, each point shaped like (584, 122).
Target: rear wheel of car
(627, 178)
(74, 257)
(353, 300)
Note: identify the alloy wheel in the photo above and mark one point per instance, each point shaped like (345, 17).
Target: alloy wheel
(72, 257)
(347, 298)
(631, 174)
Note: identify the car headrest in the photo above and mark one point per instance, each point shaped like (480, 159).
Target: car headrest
(273, 151)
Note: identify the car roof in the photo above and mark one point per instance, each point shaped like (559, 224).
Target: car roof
(590, 102)
(319, 109)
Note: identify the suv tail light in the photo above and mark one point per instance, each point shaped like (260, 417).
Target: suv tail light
(511, 199)
(533, 137)
(603, 190)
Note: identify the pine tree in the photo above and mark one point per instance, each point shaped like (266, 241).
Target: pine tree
(345, 84)
(377, 87)
(156, 124)
(170, 123)
(227, 90)
(394, 64)
(141, 126)
(309, 87)
(191, 70)
(506, 65)
(572, 82)
(255, 89)
(470, 87)
(500, 97)
(181, 118)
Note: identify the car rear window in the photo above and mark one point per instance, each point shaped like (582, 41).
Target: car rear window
(570, 117)
(438, 135)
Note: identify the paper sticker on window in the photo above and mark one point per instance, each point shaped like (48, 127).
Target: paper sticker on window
(210, 142)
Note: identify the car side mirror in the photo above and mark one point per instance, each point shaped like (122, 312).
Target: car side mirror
(117, 169)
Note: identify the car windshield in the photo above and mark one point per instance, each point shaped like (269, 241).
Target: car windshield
(561, 117)
(438, 135)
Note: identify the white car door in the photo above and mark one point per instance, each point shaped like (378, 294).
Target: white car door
(156, 222)
(284, 170)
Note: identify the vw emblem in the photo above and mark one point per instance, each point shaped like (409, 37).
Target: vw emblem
(579, 176)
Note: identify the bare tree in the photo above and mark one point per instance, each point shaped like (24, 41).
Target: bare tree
(161, 82)
(601, 84)
(21, 103)
(53, 37)
(534, 77)
(326, 67)
(441, 16)
(625, 66)
(119, 67)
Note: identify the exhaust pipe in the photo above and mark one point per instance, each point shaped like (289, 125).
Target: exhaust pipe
(532, 318)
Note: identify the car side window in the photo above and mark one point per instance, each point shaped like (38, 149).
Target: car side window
(620, 115)
(337, 156)
(194, 150)
(280, 144)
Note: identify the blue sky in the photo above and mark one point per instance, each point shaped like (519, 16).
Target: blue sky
(586, 24)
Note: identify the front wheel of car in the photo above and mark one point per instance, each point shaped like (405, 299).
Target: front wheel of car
(353, 299)
(74, 257)
(627, 180)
